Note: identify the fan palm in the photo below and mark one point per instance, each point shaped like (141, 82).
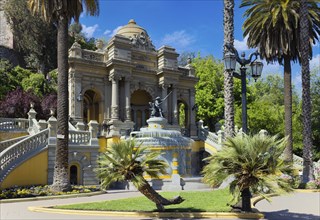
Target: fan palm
(273, 27)
(123, 161)
(61, 12)
(253, 163)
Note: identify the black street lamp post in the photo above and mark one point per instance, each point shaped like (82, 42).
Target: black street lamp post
(230, 59)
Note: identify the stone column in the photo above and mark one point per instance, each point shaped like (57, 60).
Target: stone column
(192, 115)
(164, 93)
(107, 99)
(115, 98)
(127, 99)
(175, 107)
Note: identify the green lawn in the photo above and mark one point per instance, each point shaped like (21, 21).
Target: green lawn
(195, 201)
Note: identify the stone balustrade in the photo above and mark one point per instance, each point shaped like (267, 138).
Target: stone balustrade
(21, 150)
(79, 137)
(10, 124)
(7, 143)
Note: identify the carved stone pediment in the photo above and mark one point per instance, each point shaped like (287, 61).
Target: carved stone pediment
(142, 41)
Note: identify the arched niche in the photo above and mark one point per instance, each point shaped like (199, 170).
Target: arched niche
(92, 106)
(140, 107)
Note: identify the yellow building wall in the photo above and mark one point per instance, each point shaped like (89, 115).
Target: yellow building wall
(197, 146)
(32, 172)
(105, 142)
(10, 135)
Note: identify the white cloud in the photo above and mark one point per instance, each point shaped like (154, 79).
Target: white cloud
(113, 32)
(179, 39)
(89, 31)
(241, 45)
(315, 61)
(106, 32)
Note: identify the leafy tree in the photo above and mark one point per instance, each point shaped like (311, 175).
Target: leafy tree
(48, 102)
(16, 104)
(61, 12)
(253, 163)
(315, 115)
(273, 27)
(34, 37)
(75, 34)
(124, 161)
(185, 57)
(5, 68)
(209, 90)
(228, 32)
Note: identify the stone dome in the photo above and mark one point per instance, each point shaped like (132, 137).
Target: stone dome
(132, 29)
(138, 36)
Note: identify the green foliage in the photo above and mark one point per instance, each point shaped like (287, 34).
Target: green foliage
(196, 201)
(209, 90)
(251, 162)
(124, 161)
(33, 191)
(34, 37)
(315, 98)
(266, 109)
(75, 35)
(273, 26)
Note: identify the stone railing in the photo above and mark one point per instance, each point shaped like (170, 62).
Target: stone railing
(76, 52)
(5, 144)
(18, 124)
(22, 150)
(92, 55)
(210, 137)
(79, 137)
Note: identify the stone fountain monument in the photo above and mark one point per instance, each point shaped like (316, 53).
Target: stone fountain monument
(176, 149)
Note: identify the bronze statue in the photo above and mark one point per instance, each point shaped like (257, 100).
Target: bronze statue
(155, 107)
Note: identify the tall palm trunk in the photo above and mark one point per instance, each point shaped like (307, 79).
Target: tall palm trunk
(306, 99)
(61, 177)
(288, 155)
(155, 197)
(228, 75)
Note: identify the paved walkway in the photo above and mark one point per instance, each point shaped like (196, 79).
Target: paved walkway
(296, 206)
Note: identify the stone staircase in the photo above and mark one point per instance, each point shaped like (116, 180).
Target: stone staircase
(83, 145)
(21, 151)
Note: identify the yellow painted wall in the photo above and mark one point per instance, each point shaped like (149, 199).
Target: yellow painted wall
(105, 142)
(10, 135)
(197, 146)
(32, 172)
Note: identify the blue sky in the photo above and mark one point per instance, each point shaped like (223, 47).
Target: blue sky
(188, 26)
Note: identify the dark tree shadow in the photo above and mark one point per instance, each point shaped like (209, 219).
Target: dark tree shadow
(286, 215)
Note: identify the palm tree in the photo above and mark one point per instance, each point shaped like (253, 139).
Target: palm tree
(228, 75)
(253, 163)
(306, 54)
(61, 12)
(123, 161)
(273, 27)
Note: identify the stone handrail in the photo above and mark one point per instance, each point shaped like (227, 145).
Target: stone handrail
(7, 143)
(79, 137)
(21, 151)
(7, 124)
